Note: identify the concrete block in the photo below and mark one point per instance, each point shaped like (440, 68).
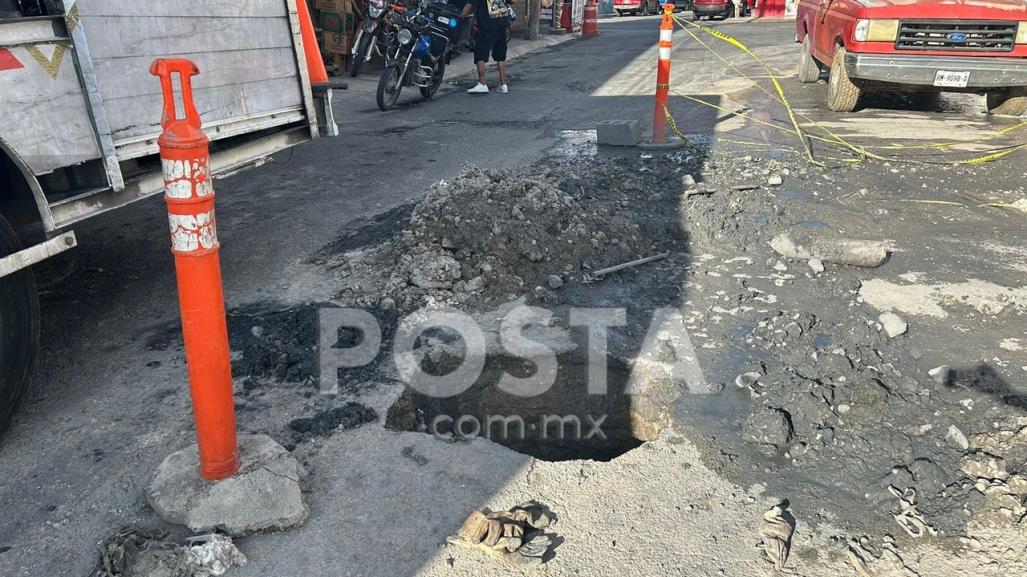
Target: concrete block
(264, 495)
(619, 133)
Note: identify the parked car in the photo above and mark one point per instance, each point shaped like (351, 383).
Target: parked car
(643, 7)
(975, 46)
(712, 9)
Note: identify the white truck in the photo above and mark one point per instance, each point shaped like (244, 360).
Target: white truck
(80, 116)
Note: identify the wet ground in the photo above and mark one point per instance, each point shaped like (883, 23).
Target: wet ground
(110, 401)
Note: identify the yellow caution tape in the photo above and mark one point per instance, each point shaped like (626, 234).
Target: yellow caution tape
(834, 139)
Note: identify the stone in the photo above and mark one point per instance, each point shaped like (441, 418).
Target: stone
(780, 266)
(940, 374)
(688, 182)
(775, 180)
(475, 285)
(554, 281)
(816, 264)
(619, 133)
(892, 324)
(264, 495)
(434, 271)
(807, 246)
(957, 438)
(767, 427)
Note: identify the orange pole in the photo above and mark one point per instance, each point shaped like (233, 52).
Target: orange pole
(185, 156)
(663, 74)
(312, 52)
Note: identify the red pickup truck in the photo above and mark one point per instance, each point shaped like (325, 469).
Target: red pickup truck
(976, 46)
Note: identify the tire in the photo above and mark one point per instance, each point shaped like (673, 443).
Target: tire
(842, 93)
(389, 88)
(361, 55)
(436, 81)
(1009, 102)
(809, 68)
(19, 330)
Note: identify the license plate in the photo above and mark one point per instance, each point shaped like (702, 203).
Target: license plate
(950, 79)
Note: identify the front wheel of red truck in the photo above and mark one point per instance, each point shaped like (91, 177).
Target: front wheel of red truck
(19, 330)
(842, 93)
(1009, 102)
(809, 68)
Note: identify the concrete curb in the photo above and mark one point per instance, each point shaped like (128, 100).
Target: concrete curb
(518, 49)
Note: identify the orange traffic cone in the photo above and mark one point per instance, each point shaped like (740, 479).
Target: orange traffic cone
(312, 52)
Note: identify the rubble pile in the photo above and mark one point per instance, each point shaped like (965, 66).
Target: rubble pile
(493, 233)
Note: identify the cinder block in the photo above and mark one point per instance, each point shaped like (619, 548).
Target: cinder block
(619, 133)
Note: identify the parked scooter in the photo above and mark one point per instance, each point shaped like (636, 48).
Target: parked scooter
(425, 41)
(376, 35)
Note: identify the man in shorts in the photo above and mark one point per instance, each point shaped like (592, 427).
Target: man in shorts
(493, 21)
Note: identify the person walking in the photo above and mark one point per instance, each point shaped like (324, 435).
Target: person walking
(492, 18)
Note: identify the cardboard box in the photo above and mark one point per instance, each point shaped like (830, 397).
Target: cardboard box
(336, 43)
(337, 23)
(337, 6)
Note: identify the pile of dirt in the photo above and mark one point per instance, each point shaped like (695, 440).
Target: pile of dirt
(494, 234)
(274, 342)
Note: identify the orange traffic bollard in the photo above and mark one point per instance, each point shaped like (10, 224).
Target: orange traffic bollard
(311, 50)
(590, 27)
(184, 153)
(663, 74)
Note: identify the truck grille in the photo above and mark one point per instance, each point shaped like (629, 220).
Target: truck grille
(961, 36)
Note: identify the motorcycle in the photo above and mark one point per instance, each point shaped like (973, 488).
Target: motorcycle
(425, 41)
(375, 36)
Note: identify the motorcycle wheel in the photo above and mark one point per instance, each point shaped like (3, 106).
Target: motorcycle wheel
(436, 81)
(361, 55)
(389, 88)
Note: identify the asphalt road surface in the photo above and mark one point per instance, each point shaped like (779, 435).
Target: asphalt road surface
(107, 406)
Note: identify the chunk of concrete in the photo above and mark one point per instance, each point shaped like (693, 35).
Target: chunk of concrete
(805, 246)
(264, 495)
(619, 133)
(892, 324)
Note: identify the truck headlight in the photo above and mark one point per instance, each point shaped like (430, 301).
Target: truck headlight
(876, 30)
(1021, 33)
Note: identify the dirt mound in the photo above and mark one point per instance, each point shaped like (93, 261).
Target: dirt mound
(491, 234)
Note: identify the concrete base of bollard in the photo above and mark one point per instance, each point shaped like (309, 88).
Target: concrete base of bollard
(264, 495)
(619, 133)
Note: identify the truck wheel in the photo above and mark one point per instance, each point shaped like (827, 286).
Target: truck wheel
(842, 94)
(809, 68)
(19, 330)
(1009, 102)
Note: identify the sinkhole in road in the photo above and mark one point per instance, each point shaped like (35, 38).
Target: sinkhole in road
(565, 422)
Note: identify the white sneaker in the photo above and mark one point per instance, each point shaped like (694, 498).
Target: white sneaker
(504, 90)
(479, 89)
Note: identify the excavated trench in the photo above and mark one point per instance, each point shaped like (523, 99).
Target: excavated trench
(566, 422)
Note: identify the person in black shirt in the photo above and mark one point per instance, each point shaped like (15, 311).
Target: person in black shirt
(493, 20)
